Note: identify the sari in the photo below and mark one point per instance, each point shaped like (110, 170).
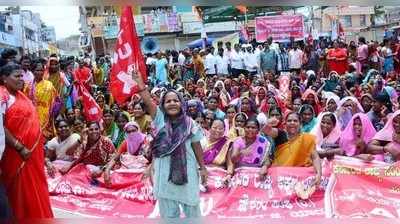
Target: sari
(25, 181)
(98, 76)
(235, 131)
(258, 101)
(307, 127)
(329, 97)
(259, 151)
(43, 95)
(296, 152)
(117, 136)
(322, 143)
(224, 96)
(144, 122)
(108, 131)
(59, 82)
(316, 106)
(215, 152)
(98, 154)
(264, 107)
(386, 134)
(348, 139)
(345, 116)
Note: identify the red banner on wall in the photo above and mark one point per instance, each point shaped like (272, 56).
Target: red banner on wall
(246, 196)
(280, 28)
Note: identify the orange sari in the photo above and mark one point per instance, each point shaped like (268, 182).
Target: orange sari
(296, 152)
(25, 182)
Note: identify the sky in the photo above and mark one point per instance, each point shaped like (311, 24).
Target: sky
(65, 18)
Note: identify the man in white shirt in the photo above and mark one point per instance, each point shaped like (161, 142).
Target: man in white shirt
(181, 58)
(210, 63)
(237, 62)
(251, 61)
(295, 59)
(228, 54)
(222, 63)
(220, 45)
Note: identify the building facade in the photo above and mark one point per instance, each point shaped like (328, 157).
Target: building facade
(353, 19)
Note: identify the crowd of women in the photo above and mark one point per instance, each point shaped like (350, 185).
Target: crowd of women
(342, 100)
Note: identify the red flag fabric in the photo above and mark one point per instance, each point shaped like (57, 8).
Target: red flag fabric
(91, 109)
(127, 56)
(83, 75)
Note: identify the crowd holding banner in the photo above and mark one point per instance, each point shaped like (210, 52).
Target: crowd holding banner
(304, 129)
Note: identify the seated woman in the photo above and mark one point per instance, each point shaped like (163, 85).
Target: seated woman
(327, 133)
(217, 145)
(366, 102)
(62, 149)
(141, 118)
(237, 130)
(332, 102)
(308, 120)
(97, 152)
(356, 136)
(246, 105)
(109, 125)
(348, 106)
(230, 117)
(297, 151)
(387, 140)
(194, 107)
(79, 127)
(133, 152)
(261, 93)
(274, 126)
(251, 150)
(212, 106)
(310, 97)
(118, 134)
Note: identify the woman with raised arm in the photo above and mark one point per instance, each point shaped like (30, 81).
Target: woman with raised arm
(177, 154)
(297, 150)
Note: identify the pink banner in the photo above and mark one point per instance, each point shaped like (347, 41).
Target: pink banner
(246, 196)
(280, 28)
(360, 189)
(355, 189)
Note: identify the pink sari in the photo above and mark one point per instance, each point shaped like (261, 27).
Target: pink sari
(348, 139)
(259, 150)
(386, 134)
(331, 139)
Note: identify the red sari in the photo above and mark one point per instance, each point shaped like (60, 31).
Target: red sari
(339, 64)
(25, 182)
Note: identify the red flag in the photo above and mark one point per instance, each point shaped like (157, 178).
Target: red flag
(91, 109)
(127, 56)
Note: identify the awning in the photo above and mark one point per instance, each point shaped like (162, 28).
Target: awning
(199, 42)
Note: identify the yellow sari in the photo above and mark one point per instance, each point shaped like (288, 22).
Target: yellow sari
(43, 95)
(296, 152)
(144, 122)
(98, 76)
(57, 81)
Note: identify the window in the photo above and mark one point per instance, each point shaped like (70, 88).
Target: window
(363, 20)
(346, 21)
